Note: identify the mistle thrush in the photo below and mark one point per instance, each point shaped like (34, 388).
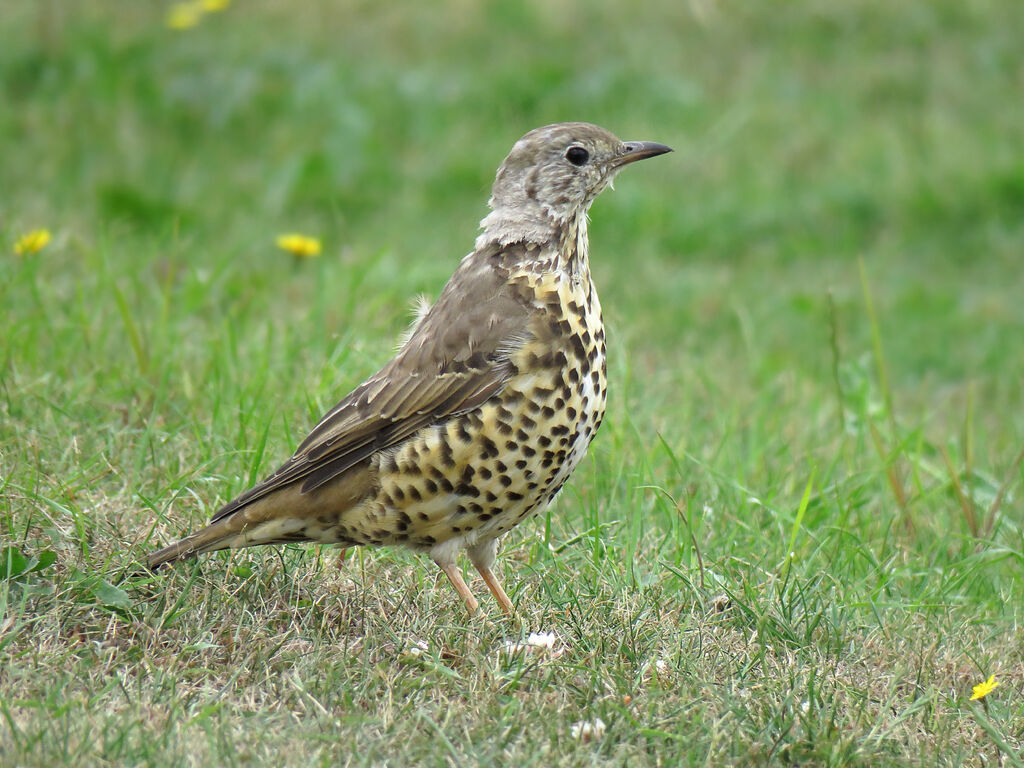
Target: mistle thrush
(487, 407)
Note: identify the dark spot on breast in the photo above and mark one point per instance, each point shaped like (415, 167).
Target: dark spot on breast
(414, 492)
(521, 464)
(490, 496)
(465, 489)
(514, 496)
(512, 396)
(447, 457)
(505, 429)
(512, 445)
(501, 466)
(577, 347)
(485, 473)
(446, 485)
(547, 412)
(544, 442)
(431, 486)
(505, 480)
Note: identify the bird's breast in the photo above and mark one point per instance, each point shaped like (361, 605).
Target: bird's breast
(475, 475)
(563, 366)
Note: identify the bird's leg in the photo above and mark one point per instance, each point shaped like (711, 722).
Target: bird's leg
(451, 570)
(482, 555)
(495, 586)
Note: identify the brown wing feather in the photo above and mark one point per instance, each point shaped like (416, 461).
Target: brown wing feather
(455, 360)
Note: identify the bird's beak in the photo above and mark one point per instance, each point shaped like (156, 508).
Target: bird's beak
(640, 150)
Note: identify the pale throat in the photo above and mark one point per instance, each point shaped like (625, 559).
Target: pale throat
(574, 247)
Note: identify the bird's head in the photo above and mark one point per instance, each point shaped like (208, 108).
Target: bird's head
(553, 174)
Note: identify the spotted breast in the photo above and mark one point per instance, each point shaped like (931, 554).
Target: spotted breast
(473, 477)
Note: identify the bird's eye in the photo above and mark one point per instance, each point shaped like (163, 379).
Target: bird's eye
(577, 155)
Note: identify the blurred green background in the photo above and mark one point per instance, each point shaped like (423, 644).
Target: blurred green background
(807, 134)
(161, 353)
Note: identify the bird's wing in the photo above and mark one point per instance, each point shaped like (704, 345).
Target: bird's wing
(456, 359)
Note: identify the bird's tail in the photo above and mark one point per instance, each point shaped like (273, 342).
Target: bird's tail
(221, 535)
(284, 516)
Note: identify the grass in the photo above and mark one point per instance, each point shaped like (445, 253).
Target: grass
(798, 537)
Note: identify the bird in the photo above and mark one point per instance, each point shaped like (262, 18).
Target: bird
(487, 407)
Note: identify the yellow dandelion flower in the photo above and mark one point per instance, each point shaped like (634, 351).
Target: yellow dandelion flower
(299, 246)
(32, 242)
(184, 15)
(981, 690)
(212, 6)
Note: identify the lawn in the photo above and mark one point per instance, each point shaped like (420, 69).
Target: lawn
(798, 538)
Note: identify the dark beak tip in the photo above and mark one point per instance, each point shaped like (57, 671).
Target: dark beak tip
(640, 150)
